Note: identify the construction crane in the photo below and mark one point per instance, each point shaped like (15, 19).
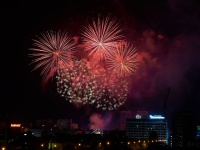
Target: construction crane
(166, 96)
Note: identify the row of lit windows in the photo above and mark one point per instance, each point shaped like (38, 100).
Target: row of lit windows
(143, 134)
(147, 125)
(159, 133)
(145, 122)
(143, 129)
(137, 130)
(150, 126)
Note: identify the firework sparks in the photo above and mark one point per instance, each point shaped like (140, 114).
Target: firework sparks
(114, 92)
(100, 36)
(82, 84)
(123, 60)
(52, 49)
(77, 83)
(82, 78)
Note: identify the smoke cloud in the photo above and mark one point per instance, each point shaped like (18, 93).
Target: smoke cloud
(169, 56)
(99, 121)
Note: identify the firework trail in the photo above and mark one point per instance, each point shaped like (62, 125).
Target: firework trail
(51, 50)
(123, 59)
(100, 36)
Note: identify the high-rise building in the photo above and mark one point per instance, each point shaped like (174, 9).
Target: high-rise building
(153, 128)
(123, 116)
(183, 128)
(198, 132)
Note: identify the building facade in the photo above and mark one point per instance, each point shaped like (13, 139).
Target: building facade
(198, 132)
(154, 128)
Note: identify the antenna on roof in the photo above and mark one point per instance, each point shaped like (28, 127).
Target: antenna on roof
(166, 96)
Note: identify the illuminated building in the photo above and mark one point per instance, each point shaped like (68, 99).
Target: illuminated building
(97, 131)
(16, 128)
(123, 116)
(153, 128)
(198, 132)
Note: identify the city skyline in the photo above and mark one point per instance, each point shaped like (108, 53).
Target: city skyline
(166, 34)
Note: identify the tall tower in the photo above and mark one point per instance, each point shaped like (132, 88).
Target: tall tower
(123, 116)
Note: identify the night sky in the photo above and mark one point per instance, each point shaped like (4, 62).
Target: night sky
(166, 33)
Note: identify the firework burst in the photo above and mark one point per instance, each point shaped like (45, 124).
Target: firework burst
(77, 83)
(52, 49)
(123, 59)
(114, 92)
(100, 36)
(95, 75)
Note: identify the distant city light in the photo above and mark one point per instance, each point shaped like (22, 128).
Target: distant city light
(97, 131)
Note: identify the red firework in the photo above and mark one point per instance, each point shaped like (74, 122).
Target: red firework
(123, 59)
(51, 50)
(100, 36)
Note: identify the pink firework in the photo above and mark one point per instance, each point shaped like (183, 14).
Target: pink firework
(51, 50)
(123, 59)
(100, 36)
